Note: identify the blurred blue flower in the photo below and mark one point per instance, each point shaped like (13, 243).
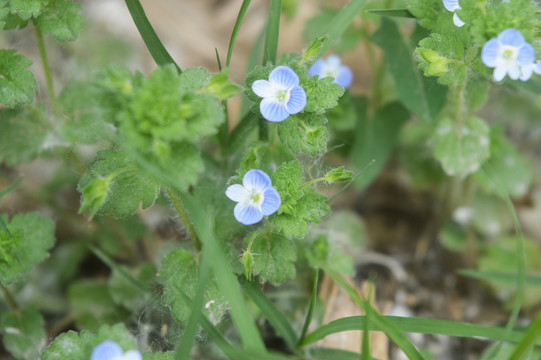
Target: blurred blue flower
(256, 197)
(508, 54)
(332, 67)
(282, 95)
(110, 350)
(452, 6)
(526, 71)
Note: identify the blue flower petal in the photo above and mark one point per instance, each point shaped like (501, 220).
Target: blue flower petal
(272, 110)
(236, 192)
(297, 100)
(490, 52)
(263, 88)
(511, 37)
(284, 76)
(132, 355)
(256, 179)
(316, 69)
(499, 73)
(526, 54)
(451, 5)
(344, 77)
(333, 61)
(246, 215)
(514, 72)
(106, 350)
(272, 201)
(458, 21)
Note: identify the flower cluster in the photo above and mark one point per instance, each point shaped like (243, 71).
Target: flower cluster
(332, 67)
(110, 350)
(452, 6)
(282, 95)
(255, 197)
(509, 54)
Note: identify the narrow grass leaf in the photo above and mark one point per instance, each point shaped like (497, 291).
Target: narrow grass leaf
(236, 28)
(388, 327)
(418, 325)
(271, 34)
(10, 188)
(532, 334)
(271, 313)
(401, 13)
(152, 41)
(503, 278)
(311, 307)
(334, 354)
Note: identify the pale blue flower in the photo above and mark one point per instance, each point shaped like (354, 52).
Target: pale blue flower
(526, 71)
(508, 54)
(110, 350)
(256, 197)
(332, 67)
(452, 6)
(282, 95)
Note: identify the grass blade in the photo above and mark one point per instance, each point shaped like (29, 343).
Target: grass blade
(402, 13)
(10, 188)
(236, 28)
(334, 354)
(152, 41)
(503, 278)
(273, 315)
(311, 307)
(271, 34)
(418, 325)
(532, 333)
(390, 329)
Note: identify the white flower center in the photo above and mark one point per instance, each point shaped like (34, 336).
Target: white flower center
(255, 197)
(508, 54)
(329, 71)
(282, 95)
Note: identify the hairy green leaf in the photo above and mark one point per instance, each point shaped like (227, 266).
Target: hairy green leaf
(17, 85)
(61, 18)
(23, 333)
(306, 133)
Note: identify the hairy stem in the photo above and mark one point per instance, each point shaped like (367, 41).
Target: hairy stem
(184, 217)
(46, 69)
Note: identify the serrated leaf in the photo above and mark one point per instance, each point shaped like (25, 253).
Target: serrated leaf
(92, 305)
(23, 333)
(273, 257)
(306, 133)
(420, 95)
(300, 207)
(178, 274)
(124, 292)
(126, 190)
(4, 12)
(515, 174)
(31, 237)
(461, 148)
(22, 135)
(17, 85)
(26, 9)
(73, 346)
(321, 94)
(426, 11)
(61, 18)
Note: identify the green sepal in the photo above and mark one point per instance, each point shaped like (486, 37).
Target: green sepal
(221, 87)
(312, 50)
(338, 175)
(247, 261)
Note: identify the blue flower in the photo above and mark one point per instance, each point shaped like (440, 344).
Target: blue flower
(282, 95)
(332, 67)
(452, 6)
(508, 54)
(256, 197)
(110, 350)
(527, 70)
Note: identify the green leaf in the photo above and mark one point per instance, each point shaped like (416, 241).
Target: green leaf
(178, 274)
(271, 33)
(274, 257)
(313, 49)
(426, 11)
(17, 85)
(300, 206)
(321, 94)
(306, 133)
(420, 95)
(127, 188)
(26, 9)
(461, 148)
(515, 173)
(376, 138)
(221, 87)
(73, 346)
(234, 33)
(124, 292)
(402, 13)
(22, 135)
(23, 333)
(31, 237)
(159, 356)
(92, 306)
(152, 41)
(61, 18)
